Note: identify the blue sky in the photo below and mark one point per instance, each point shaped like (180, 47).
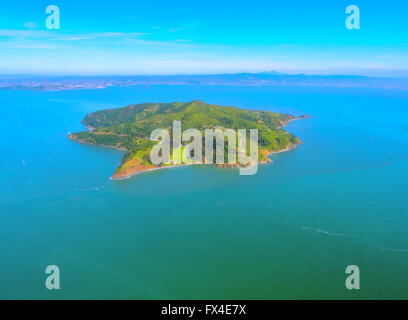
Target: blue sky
(192, 37)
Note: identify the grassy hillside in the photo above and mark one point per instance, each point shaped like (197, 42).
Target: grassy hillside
(129, 128)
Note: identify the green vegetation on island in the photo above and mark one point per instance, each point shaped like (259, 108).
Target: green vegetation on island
(129, 129)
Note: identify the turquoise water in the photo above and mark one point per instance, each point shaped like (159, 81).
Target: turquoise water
(203, 232)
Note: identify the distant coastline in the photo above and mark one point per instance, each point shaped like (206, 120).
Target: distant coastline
(58, 83)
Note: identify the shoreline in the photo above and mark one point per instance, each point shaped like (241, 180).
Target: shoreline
(147, 170)
(283, 150)
(138, 171)
(291, 120)
(71, 137)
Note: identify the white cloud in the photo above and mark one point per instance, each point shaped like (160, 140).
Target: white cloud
(30, 25)
(53, 35)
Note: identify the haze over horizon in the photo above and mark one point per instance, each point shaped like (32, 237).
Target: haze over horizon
(266, 73)
(133, 38)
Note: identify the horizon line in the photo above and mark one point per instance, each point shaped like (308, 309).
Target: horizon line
(271, 73)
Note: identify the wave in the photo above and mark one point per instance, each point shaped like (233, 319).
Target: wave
(88, 189)
(351, 236)
(390, 249)
(327, 232)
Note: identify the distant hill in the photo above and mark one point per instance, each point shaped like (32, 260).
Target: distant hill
(129, 128)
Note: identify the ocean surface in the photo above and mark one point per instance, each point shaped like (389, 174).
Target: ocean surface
(199, 232)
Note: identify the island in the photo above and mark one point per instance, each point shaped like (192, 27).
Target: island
(129, 129)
